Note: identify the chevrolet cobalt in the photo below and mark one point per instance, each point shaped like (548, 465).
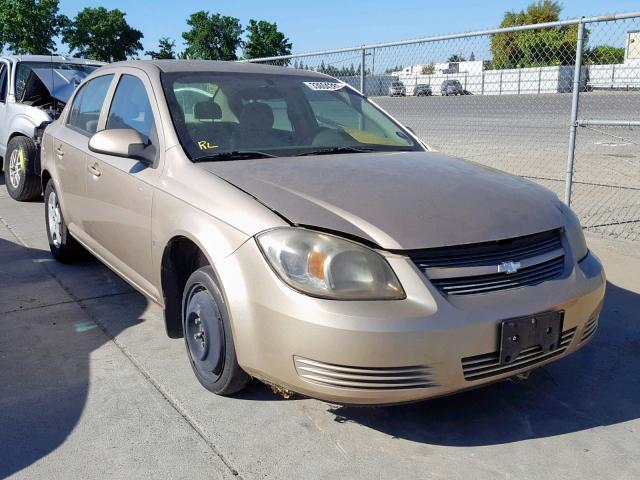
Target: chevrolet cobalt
(294, 232)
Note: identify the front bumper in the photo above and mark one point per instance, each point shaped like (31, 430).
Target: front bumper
(382, 352)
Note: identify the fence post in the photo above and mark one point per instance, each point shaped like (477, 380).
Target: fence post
(613, 75)
(574, 113)
(539, 79)
(362, 70)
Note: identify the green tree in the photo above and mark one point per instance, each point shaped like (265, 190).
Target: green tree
(397, 68)
(102, 34)
(165, 50)
(456, 58)
(605, 55)
(538, 47)
(428, 69)
(264, 40)
(30, 26)
(212, 37)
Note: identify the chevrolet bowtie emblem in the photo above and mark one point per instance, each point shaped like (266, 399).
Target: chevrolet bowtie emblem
(509, 267)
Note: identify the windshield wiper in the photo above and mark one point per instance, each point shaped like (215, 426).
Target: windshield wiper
(234, 155)
(329, 151)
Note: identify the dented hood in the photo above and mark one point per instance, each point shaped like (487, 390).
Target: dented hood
(398, 200)
(60, 82)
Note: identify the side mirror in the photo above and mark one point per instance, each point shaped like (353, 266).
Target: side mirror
(119, 142)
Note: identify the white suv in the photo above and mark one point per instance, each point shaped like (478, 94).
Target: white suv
(33, 91)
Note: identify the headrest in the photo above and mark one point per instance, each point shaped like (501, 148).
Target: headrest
(207, 110)
(257, 114)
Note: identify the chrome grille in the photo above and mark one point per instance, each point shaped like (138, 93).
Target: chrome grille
(499, 281)
(488, 253)
(384, 378)
(472, 269)
(488, 365)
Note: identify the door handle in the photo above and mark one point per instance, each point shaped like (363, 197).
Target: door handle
(95, 171)
(59, 151)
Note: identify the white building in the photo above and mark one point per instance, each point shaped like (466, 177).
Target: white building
(473, 67)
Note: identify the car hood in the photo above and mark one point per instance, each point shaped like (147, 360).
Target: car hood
(60, 82)
(397, 200)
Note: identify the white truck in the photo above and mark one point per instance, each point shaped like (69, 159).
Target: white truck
(33, 91)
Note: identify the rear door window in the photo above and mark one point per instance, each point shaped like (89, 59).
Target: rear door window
(87, 104)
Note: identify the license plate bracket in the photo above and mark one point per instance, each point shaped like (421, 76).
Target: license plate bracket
(517, 334)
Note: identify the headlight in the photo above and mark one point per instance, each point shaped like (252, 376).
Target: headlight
(326, 266)
(574, 233)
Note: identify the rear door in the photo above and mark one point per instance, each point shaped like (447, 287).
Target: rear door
(70, 146)
(119, 189)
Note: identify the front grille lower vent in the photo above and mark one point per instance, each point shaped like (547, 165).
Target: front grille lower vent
(590, 328)
(384, 378)
(488, 365)
(480, 268)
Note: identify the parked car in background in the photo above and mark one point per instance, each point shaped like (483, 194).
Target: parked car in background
(295, 233)
(33, 92)
(451, 87)
(397, 89)
(423, 90)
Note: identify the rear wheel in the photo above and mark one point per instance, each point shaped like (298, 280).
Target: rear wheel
(63, 246)
(22, 182)
(208, 337)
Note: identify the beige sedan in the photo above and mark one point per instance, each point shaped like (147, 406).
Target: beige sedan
(296, 233)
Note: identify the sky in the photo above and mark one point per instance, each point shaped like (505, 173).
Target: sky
(327, 24)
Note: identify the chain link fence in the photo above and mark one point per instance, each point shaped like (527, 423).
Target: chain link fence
(558, 103)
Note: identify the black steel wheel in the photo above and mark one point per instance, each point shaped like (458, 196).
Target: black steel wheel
(207, 335)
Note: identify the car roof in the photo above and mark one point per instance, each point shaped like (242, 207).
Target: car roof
(51, 58)
(171, 66)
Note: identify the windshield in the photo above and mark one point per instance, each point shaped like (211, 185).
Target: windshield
(216, 114)
(64, 72)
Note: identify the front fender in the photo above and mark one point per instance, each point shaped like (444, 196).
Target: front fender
(215, 238)
(26, 120)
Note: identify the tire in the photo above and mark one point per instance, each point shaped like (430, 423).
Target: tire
(22, 182)
(63, 246)
(208, 337)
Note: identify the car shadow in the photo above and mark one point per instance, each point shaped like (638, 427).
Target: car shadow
(597, 386)
(45, 349)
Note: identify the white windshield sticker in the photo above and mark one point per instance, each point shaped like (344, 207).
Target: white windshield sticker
(331, 86)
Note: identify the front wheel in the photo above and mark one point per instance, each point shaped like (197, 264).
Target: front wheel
(22, 182)
(208, 337)
(63, 246)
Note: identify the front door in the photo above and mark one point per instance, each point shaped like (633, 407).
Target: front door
(121, 189)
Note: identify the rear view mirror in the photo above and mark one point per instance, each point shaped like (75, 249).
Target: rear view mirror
(119, 142)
